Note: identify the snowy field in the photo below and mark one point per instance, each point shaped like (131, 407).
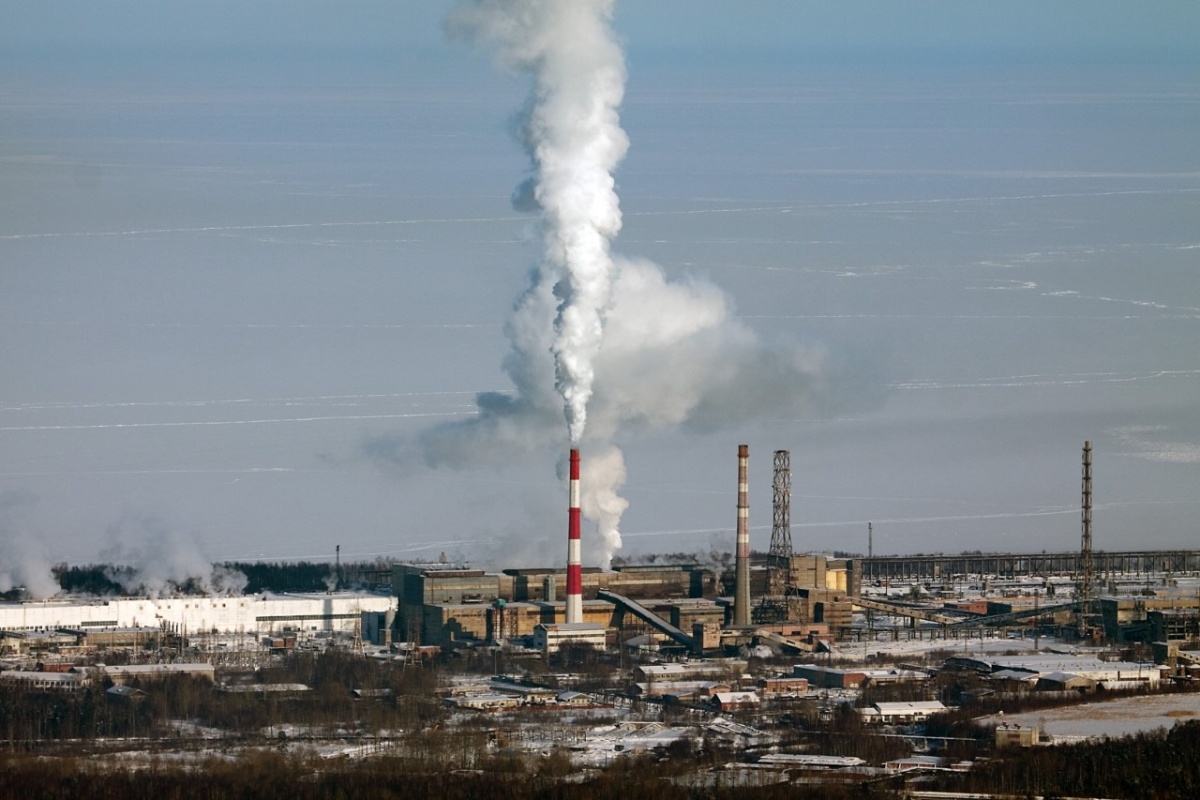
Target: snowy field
(1123, 717)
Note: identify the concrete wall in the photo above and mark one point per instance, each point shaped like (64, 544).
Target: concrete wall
(444, 624)
(515, 619)
(663, 582)
(685, 615)
(809, 571)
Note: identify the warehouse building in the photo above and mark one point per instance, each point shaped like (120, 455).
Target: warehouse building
(440, 604)
(196, 614)
(904, 713)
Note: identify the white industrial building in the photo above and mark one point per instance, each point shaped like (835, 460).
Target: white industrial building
(901, 713)
(550, 638)
(1057, 668)
(45, 681)
(258, 613)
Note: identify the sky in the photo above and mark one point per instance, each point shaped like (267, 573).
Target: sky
(258, 262)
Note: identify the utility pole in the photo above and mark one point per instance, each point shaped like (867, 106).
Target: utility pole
(1037, 622)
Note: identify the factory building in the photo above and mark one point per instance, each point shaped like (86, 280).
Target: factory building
(1128, 619)
(689, 670)
(1013, 735)
(157, 672)
(550, 638)
(782, 687)
(820, 677)
(438, 605)
(814, 570)
(45, 681)
(1174, 625)
(821, 606)
(196, 614)
(904, 713)
(1058, 672)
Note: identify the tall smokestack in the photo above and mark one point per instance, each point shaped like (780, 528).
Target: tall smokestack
(741, 599)
(574, 562)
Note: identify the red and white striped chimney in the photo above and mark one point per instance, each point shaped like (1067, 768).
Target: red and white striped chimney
(741, 597)
(574, 559)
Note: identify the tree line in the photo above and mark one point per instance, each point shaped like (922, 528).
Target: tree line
(1160, 765)
(29, 718)
(261, 576)
(268, 774)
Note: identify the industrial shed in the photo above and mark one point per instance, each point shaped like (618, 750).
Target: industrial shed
(156, 672)
(735, 701)
(901, 713)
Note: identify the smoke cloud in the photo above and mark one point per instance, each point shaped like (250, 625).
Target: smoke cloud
(161, 561)
(24, 561)
(598, 498)
(674, 356)
(625, 349)
(573, 135)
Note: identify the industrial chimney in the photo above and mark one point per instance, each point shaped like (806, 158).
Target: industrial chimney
(741, 599)
(574, 562)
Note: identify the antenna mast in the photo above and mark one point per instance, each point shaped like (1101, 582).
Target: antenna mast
(1087, 567)
(774, 606)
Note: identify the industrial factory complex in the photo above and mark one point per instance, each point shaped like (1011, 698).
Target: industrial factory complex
(595, 664)
(794, 602)
(786, 601)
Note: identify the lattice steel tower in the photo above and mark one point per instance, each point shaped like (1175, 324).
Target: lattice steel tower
(774, 606)
(1087, 567)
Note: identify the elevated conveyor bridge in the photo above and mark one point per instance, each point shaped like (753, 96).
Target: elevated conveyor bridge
(624, 604)
(953, 618)
(940, 616)
(939, 566)
(1014, 616)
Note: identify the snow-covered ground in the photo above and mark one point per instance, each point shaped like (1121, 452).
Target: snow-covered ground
(1122, 717)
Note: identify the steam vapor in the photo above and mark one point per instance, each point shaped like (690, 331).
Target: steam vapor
(599, 499)
(160, 560)
(574, 139)
(24, 561)
(609, 339)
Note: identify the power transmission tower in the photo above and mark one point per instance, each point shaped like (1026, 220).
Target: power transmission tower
(774, 606)
(1087, 567)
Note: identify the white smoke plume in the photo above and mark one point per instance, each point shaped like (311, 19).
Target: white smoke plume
(627, 350)
(573, 135)
(24, 561)
(674, 356)
(599, 500)
(160, 561)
